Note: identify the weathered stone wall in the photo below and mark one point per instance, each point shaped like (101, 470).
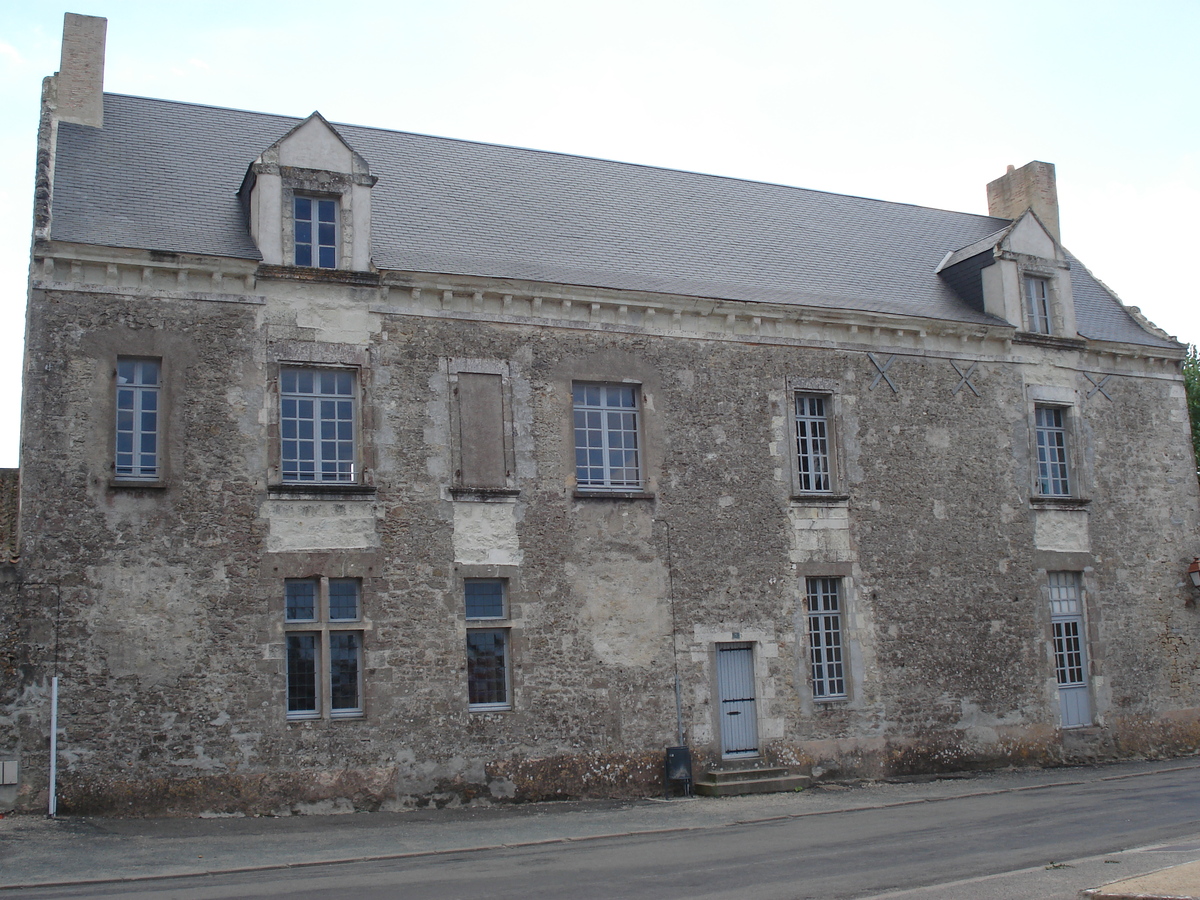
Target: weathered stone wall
(169, 636)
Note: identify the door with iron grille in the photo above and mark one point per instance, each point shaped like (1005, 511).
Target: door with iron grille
(735, 688)
(1070, 649)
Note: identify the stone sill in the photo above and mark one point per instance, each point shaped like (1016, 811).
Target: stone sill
(1049, 340)
(321, 491)
(120, 484)
(1059, 502)
(329, 276)
(485, 494)
(612, 495)
(820, 499)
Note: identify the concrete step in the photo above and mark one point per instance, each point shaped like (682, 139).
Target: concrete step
(733, 782)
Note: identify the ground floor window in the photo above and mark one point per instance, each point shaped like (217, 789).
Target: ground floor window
(488, 643)
(324, 643)
(825, 638)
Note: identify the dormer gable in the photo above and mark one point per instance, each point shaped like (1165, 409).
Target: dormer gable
(1021, 273)
(307, 200)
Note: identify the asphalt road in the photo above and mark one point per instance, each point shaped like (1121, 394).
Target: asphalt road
(974, 846)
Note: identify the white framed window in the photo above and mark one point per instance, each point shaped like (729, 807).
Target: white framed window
(315, 222)
(139, 384)
(318, 425)
(1053, 468)
(1069, 648)
(324, 641)
(1037, 304)
(607, 439)
(814, 473)
(488, 645)
(824, 601)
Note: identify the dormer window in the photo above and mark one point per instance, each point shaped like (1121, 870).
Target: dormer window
(1037, 304)
(315, 222)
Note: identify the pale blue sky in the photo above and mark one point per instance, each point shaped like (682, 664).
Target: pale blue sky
(918, 102)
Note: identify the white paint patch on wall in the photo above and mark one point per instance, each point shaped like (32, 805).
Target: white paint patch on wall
(486, 534)
(1064, 530)
(319, 525)
(624, 608)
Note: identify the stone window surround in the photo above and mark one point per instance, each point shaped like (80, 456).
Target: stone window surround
(1068, 400)
(851, 638)
(319, 185)
(279, 567)
(1048, 271)
(830, 389)
(472, 366)
(646, 444)
(167, 400)
(512, 623)
(323, 626)
(320, 355)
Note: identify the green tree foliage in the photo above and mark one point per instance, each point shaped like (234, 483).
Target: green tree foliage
(1191, 380)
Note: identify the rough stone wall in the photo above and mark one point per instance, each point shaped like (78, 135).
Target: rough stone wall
(169, 636)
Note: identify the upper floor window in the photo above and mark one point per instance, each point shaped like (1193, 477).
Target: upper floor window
(316, 232)
(607, 454)
(138, 386)
(1037, 304)
(812, 444)
(318, 424)
(1050, 427)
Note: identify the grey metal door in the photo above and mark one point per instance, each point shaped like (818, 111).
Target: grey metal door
(735, 687)
(1070, 667)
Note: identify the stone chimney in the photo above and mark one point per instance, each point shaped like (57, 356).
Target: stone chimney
(79, 82)
(1030, 187)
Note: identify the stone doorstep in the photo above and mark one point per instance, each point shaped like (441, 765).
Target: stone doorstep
(728, 782)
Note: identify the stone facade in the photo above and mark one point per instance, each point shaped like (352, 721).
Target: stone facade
(160, 602)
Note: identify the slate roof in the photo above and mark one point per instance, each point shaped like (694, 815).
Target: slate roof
(164, 176)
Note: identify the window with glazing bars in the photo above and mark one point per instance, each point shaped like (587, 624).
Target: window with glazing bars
(825, 638)
(487, 648)
(1051, 431)
(317, 425)
(606, 437)
(1037, 307)
(812, 443)
(137, 450)
(324, 649)
(315, 223)
(1066, 622)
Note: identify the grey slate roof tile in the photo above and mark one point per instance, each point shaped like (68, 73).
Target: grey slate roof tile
(163, 176)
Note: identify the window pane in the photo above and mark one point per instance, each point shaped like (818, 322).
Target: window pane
(345, 649)
(825, 637)
(302, 672)
(343, 598)
(485, 599)
(317, 419)
(301, 596)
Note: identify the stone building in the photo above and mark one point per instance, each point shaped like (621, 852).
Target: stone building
(364, 468)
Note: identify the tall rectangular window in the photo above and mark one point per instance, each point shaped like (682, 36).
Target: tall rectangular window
(825, 638)
(324, 643)
(1069, 647)
(1051, 433)
(138, 407)
(1037, 304)
(607, 455)
(318, 424)
(487, 647)
(812, 444)
(315, 223)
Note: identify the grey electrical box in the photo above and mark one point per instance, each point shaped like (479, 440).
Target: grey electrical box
(8, 771)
